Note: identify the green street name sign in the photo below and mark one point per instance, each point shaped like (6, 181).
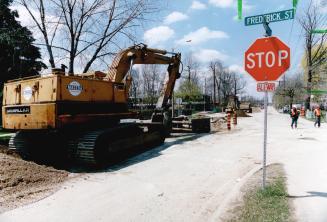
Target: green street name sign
(319, 31)
(318, 92)
(270, 17)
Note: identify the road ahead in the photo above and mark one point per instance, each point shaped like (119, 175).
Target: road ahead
(193, 179)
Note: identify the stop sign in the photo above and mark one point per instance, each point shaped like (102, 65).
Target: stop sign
(267, 59)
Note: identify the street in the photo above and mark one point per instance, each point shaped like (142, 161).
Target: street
(194, 178)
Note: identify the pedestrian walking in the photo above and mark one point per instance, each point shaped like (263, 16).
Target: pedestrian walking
(295, 117)
(317, 113)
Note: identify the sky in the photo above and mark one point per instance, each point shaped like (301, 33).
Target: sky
(209, 29)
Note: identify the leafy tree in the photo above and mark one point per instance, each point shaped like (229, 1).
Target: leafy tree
(315, 50)
(18, 57)
(319, 71)
(189, 91)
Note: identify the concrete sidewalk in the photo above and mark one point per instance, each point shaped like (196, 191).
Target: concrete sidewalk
(303, 152)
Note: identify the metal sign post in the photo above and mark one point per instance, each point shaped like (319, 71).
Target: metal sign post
(266, 60)
(264, 164)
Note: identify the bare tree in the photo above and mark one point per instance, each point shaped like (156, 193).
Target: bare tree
(227, 83)
(152, 81)
(224, 83)
(315, 49)
(293, 89)
(135, 89)
(191, 68)
(238, 83)
(38, 14)
(86, 29)
(217, 69)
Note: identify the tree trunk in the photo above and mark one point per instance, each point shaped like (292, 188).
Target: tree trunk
(51, 59)
(71, 66)
(291, 103)
(218, 91)
(309, 84)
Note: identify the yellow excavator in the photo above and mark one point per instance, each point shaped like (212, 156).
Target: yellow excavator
(81, 115)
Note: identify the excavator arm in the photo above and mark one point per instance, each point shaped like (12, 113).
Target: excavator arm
(141, 54)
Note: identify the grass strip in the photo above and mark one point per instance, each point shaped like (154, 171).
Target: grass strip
(270, 204)
(255, 204)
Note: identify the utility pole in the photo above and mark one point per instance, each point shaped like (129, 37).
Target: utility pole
(284, 80)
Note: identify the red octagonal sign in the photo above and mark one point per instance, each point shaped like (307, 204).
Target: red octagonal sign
(267, 59)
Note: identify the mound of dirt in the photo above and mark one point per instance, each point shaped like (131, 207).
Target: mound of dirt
(5, 150)
(218, 124)
(22, 182)
(241, 113)
(256, 109)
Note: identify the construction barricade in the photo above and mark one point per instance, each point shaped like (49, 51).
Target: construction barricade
(229, 121)
(235, 118)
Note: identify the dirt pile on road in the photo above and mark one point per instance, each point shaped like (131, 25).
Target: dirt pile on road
(256, 109)
(218, 124)
(5, 150)
(23, 182)
(241, 113)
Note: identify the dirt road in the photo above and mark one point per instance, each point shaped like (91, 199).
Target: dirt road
(193, 179)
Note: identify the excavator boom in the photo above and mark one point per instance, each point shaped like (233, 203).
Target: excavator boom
(141, 54)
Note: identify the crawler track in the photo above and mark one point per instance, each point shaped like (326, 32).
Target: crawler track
(93, 147)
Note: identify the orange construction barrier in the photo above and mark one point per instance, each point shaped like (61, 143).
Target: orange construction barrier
(228, 121)
(235, 118)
